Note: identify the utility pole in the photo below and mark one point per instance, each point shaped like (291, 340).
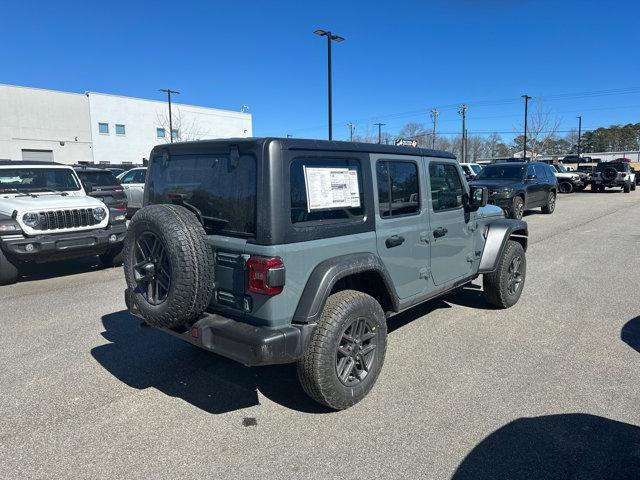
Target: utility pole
(380, 125)
(351, 128)
(463, 111)
(168, 91)
(579, 135)
(335, 38)
(434, 116)
(526, 116)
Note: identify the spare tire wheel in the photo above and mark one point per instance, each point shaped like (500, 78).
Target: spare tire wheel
(609, 173)
(168, 265)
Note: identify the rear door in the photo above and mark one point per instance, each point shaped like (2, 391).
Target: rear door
(451, 233)
(536, 187)
(133, 184)
(402, 222)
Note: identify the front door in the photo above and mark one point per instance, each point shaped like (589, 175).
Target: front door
(402, 222)
(452, 229)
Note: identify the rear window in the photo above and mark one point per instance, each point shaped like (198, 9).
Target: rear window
(620, 167)
(100, 179)
(224, 194)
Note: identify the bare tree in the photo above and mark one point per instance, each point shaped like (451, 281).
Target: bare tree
(542, 130)
(415, 131)
(185, 126)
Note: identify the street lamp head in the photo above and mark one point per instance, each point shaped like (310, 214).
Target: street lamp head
(337, 38)
(320, 32)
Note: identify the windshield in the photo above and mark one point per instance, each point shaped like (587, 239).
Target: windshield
(37, 180)
(620, 167)
(561, 168)
(99, 179)
(502, 171)
(476, 168)
(224, 192)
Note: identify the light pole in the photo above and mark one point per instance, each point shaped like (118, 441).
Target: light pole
(380, 125)
(168, 91)
(526, 106)
(579, 135)
(336, 38)
(434, 115)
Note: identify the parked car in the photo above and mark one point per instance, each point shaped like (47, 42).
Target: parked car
(616, 174)
(516, 187)
(103, 185)
(133, 183)
(46, 215)
(273, 251)
(116, 171)
(470, 170)
(573, 158)
(568, 181)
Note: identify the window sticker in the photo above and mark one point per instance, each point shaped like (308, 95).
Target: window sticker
(331, 188)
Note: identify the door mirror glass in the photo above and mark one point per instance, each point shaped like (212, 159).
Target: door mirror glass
(478, 197)
(533, 176)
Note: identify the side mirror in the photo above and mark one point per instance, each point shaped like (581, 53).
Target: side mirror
(88, 187)
(478, 197)
(532, 177)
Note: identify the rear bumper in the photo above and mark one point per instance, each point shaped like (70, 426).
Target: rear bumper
(239, 341)
(52, 246)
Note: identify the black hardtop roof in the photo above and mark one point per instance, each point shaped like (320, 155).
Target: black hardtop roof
(26, 163)
(516, 163)
(309, 144)
(90, 169)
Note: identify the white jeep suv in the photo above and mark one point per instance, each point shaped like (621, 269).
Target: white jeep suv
(46, 215)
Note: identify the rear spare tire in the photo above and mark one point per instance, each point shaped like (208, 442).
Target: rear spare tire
(168, 265)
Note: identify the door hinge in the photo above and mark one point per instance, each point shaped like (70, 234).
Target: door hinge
(424, 237)
(473, 227)
(471, 258)
(425, 273)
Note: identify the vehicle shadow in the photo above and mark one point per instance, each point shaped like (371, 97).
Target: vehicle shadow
(630, 333)
(30, 272)
(143, 357)
(576, 445)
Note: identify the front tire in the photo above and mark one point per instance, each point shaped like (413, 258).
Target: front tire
(504, 286)
(627, 187)
(551, 204)
(8, 270)
(565, 187)
(517, 208)
(346, 353)
(633, 186)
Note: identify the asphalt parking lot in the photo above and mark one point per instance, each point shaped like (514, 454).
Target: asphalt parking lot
(546, 389)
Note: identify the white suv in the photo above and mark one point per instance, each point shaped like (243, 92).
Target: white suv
(46, 215)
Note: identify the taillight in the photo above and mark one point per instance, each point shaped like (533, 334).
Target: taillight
(266, 275)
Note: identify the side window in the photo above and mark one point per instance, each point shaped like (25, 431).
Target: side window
(446, 187)
(531, 170)
(326, 189)
(127, 178)
(139, 176)
(398, 188)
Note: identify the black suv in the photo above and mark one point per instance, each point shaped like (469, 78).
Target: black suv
(516, 187)
(103, 185)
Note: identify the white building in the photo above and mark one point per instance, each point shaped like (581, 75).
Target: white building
(101, 128)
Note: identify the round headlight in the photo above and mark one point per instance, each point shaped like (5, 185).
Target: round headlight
(99, 213)
(30, 219)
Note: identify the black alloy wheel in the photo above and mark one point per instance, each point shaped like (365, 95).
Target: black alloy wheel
(515, 275)
(152, 269)
(356, 352)
(517, 210)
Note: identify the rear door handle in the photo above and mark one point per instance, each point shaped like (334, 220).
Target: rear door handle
(394, 241)
(440, 232)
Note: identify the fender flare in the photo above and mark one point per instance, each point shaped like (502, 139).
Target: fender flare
(325, 275)
(498, 233)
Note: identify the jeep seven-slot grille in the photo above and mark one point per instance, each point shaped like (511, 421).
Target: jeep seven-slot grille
(58, 219)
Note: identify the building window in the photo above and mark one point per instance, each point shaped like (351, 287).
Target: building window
(175, 134)
(160, 132)
(103, 128)
(120, 129)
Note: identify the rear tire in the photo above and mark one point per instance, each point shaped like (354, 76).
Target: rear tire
(504, 286)
(8, 270)
(346, 352)
(633, 186)
(168, 265)
(627, 187)
(551, 204)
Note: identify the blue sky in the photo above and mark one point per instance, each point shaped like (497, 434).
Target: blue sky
(399, 60)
